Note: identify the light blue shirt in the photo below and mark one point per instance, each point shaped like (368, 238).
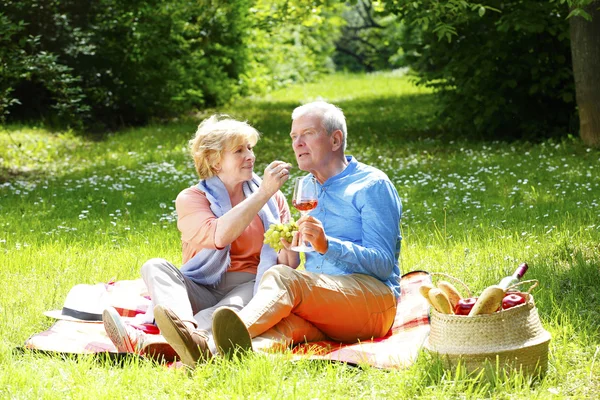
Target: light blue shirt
(360, 211)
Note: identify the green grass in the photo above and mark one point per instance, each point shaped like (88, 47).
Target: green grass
(73, 210)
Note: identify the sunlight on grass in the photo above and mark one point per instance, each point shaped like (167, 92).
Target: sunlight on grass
(74, 210)
(344, 87)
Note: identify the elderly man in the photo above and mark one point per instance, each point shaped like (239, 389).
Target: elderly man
(350, 285)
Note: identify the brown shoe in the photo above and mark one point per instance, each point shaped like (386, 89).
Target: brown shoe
(191, 346)
(230, 333)
(157, 348)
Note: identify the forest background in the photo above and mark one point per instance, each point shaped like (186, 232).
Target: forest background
(483, 114)
(502, 69)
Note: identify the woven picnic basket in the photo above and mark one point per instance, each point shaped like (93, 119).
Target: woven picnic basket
(512, 338)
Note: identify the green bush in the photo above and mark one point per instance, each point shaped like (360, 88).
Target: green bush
(289, 42)
(506, 74)
(371, 38)
(110, 63)
(24, 64)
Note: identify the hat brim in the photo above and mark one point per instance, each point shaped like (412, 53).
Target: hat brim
(57, 314)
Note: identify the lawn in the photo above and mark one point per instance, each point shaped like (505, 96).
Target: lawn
(81, 210)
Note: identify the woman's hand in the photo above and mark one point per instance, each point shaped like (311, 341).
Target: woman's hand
(288, 245)
(276, 174)
(287, 256)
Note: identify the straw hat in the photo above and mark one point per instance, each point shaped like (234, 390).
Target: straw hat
(84, 303)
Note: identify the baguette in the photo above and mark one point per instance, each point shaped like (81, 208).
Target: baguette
(489, 301)
(440, 301)
(424, 290)
(450, 291)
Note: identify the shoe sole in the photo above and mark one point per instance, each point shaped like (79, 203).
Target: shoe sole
(176, 338)
(230, 333)
(116, 331)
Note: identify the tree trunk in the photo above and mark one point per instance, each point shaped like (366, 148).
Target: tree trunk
(585, 48)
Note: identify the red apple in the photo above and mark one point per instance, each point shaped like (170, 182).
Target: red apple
(511, 300)
(463, 307)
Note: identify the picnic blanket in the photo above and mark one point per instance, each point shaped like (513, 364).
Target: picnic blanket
(398, 349)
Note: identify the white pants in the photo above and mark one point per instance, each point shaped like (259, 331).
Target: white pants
(193, 302)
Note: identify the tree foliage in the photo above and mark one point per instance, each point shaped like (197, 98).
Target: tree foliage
(290, 41)
(108, 63)
(371, 38)
(502, 68)
(23, 60)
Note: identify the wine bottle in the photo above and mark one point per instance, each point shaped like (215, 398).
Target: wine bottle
(510, 280)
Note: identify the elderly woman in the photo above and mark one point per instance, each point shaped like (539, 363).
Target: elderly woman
(222, 222)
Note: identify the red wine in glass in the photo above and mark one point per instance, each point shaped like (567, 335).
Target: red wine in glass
(305, 198)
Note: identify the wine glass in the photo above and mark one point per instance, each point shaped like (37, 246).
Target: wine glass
(305, 199)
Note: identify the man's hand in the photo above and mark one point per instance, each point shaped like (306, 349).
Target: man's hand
(311, 230)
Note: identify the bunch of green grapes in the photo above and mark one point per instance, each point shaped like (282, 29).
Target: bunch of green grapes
(278, 231)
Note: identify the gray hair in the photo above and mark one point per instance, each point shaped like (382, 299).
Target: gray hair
(332, 117)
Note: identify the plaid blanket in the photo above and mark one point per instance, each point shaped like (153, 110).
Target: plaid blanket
(398, 349)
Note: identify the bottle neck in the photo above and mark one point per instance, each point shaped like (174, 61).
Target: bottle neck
(520, 271)
(514, 278)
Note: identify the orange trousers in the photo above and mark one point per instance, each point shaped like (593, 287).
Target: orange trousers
(293, 306)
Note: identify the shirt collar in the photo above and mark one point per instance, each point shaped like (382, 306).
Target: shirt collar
(352, 163)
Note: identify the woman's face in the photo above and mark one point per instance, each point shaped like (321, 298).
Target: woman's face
(237, 164)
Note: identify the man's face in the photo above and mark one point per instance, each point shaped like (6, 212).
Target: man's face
(311, 144)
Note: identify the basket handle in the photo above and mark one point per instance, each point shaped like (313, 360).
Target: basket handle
(516, 285)
(464, 285)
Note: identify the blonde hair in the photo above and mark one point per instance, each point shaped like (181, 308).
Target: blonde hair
(213, 136)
